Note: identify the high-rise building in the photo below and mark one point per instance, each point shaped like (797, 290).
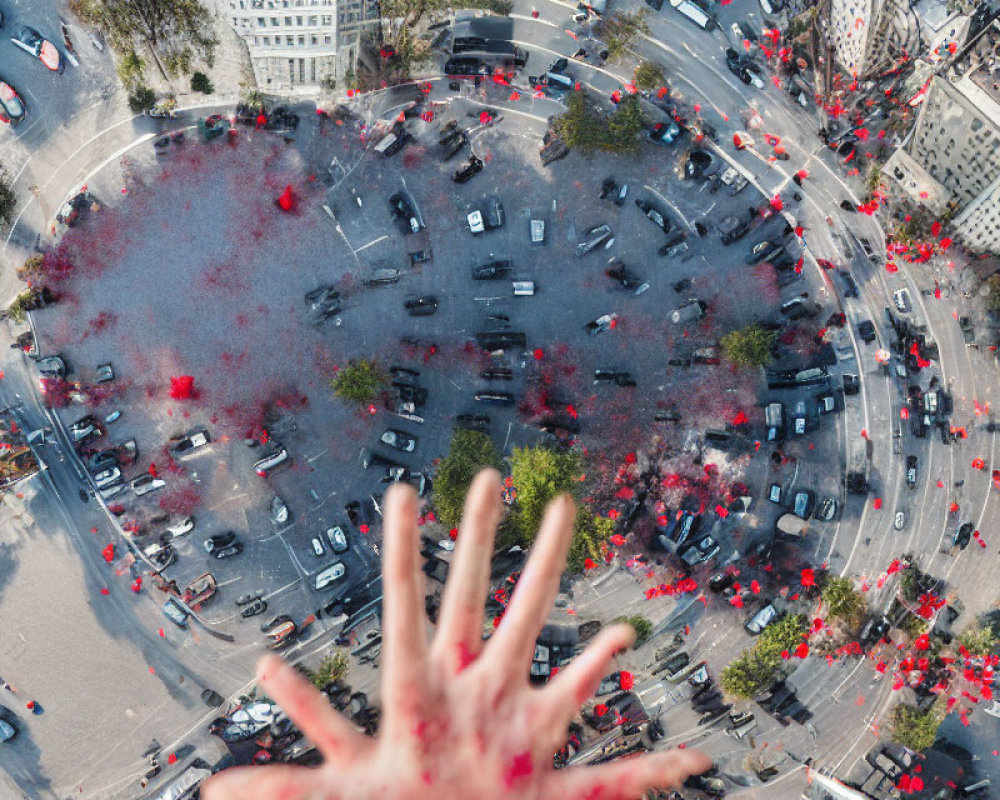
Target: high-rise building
(865, 35)
(951, 163)
(295, 44)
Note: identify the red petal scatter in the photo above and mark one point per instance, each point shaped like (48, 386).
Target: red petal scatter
(808, 577)
(626, 680)
(286, 202)
(802, 650)
(182, 388)
(736, 600)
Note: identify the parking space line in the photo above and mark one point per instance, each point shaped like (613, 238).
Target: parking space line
(372, 242)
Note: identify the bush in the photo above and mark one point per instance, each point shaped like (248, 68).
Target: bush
(643, 627)
(8, 200)
(585, 127)
(750, 346)
(201, 83)
(843, 601)
(620, 30)
(648, 75)
(130, 69)
(142, 98)
(331, 668)
(470, 452)
(978, 640)
(917, 729)
(753, 671)
(360, 381)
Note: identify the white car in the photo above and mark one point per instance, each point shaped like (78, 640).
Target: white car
(181, 527)
(330, 575)
(145, 484)
(338, 539)
(108, 477)
(901, 298)
(900, 520)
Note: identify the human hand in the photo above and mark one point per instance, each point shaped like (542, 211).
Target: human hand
(459, 719)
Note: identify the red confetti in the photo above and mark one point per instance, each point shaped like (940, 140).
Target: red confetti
(736, 600)
(802, 650)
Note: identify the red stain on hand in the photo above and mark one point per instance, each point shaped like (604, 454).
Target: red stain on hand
(520, 767)
(464, 656)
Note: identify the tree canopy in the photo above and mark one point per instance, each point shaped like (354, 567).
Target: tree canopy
(360, 381)
(8, 200)
(917, 729)
(648, 75)
(843, 600)
(619, 30)
(749, 346)
(470, 452)
(177, 30)
(584, 126)
(753, 671)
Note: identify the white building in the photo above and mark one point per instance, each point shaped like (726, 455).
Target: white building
(865, 34)
(295, 44)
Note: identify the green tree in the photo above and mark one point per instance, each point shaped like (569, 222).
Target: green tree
(625, 125)
(620, 30)
(8, 200)
(843, 600)
(200, 82)
(785, 634)
(176, 30)
(648, 75)
(470, 452)
(641, 625)
(917, 729)
(331, 668)
(754, 670)
(978, 640)
(539, 474)
(360, 381)
(750, 346)
(129, 69)
(142, 98)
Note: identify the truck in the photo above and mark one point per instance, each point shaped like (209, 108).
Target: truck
(856, 476)
(791, 526)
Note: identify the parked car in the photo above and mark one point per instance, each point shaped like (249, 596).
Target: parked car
(421, 306)
(108, 477)
(253, 608)
(625, 278)
(654, 214)
(664, 133)
(180, 527)
(610, 190)
(799, 418)
(382, 276)
(866, 330)
(618, 377)
(472, 168)
(399, 440)
(756, 623)
(899, 521)
(8, 724)
(452, 147)
(198, 437)
(105, 373)
(804, 502)
(594, 238)
(175, 612)
(279, 513)
(732, 229)
(827, 509)
(323, 303)
(601, 324)
(12, 108)
(763, 251)
(911, 471)
(280, 632)
(52, 366)
(403, 213)
(101, 461)
(330, 575)
(492, 270)
(145, 484)
(901, 297)
(84, 429)
(218, 541)
(337, 538)
(317, 547)
(275, 458)
(33, 43)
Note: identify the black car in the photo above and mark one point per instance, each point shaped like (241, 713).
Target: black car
(473, 422)
(875, 629)
(233, 549)
(403, 213)
(102, 460)
(383, 276)
(501, 340)
(618, 377)
(472, 168)
(732, 229)
(323, 303)
(654, 214)
(911, 471)
(408, 393)
(741, 65)
(253, 608)
(610, 190)
(963, 535)
(492, 270)
(866, 330)
(421, 306)
(219, 541)
(625, 279)
(403, 372)
(453, 147)
(553, 151)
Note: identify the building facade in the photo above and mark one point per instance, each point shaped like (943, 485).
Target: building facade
(865, 33)
(295, 45)
(952, 159)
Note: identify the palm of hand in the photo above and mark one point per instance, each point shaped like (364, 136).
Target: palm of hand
(459, 720)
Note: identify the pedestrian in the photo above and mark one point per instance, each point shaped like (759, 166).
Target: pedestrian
(797, 179)
(534, 13)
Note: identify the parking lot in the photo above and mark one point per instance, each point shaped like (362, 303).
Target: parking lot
(192, 269)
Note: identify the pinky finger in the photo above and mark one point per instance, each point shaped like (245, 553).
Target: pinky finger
(263, 783)
(628, 778)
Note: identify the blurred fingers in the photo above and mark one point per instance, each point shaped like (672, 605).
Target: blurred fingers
(514, 642)
(266, 783)
(460, 622)
(310, 710)
(628, 778)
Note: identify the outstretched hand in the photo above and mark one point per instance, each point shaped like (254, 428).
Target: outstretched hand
(459, 719)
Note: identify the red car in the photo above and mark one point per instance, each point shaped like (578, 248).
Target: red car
(12, 108)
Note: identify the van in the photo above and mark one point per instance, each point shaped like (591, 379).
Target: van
(524, 288)
(538, 231)
(704, 21)
(774, 418)
(388, 141)
(557, 80)
(687, 311)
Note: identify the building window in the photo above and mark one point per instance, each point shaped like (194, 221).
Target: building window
(267, 41)
(312, 20)
(327, 20)
(315, 39)
(291, 70)
(298, 21)
(274, 22)
(288, 22)
(260, 22)
(290, 41)
(302, 41)
(326, 39)
(976, 124)
(302, 70)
